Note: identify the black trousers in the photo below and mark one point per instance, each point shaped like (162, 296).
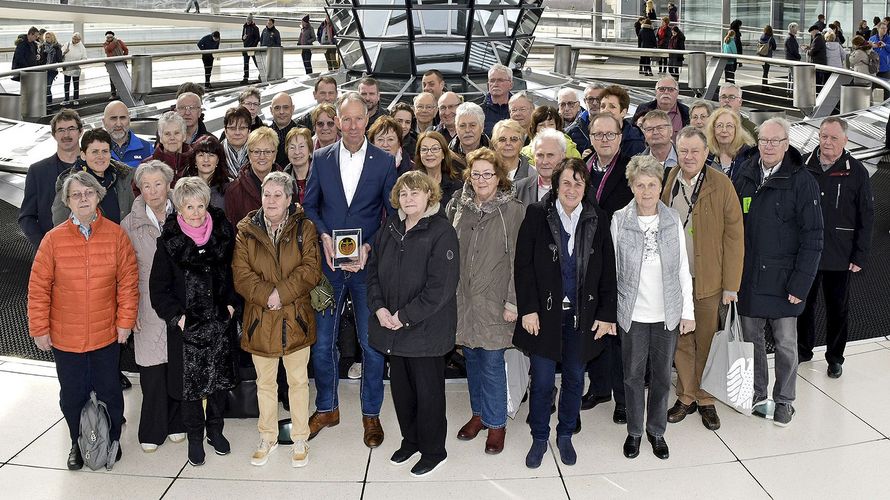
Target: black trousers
(161, 414)
(195, 419)
(307, 60)
(75, 80)
(835, 286)
(418, 394)
(79, 374)
(247, 59)
(208, 67)
(606, 371)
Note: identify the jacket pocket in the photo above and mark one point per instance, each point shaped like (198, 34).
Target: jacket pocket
(252, 328)
(772, 276)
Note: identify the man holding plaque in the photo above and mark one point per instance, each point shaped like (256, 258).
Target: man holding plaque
(345, 197)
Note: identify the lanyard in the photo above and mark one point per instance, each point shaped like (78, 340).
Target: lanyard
(678, 187)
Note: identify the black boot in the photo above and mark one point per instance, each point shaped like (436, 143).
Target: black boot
(219, 442)
(196, 449)
(75, 459)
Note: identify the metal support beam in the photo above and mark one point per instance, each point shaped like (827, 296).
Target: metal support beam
(123, 83)
(274, 64)
(33, 100)
(597, 24)
(830, 96)
(715, 72)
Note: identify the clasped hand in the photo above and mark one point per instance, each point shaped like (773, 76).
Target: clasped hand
(388, 320)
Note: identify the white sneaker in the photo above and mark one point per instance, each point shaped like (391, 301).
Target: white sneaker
(149, 447)
(300, 454)
(261, 455)
(355, 371)
(177, 438)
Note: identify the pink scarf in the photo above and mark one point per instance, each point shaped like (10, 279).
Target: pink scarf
(201, 234)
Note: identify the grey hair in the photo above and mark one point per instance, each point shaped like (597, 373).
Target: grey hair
(153, 167)
(595, 86)
(190, 187)
(644, 165)
(84, 179)
(351, 96)
(689, 132)
(470, 108)
(500, 67)
(786, 126)
(566, 90)
(282, 179)
(701, 103)
(521, 95)
(550, 133)
(727, 86)
(792, 26)
(171, 118)
(249, 91)
(422, 94)
(835, 119)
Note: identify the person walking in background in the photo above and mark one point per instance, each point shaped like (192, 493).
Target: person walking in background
(818, 54)
(195, 4)
(675, 61)
(326, 36)
(736, 27)
(729, 47)
(673, 13)
(646, 40)
(270, 37)
(766, 49)
(53, 52)
(208, 42)
(663, 39)
(250, 36)
(650, 12)
(25, 54)
(114, 47)
(307, 37)
(834, 51)
(73, 51)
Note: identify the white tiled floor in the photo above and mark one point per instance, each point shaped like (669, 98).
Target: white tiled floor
(837, 446)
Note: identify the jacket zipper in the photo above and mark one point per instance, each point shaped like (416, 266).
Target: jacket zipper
(837, 201)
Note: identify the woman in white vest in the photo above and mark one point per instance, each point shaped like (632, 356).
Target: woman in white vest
(73, 51)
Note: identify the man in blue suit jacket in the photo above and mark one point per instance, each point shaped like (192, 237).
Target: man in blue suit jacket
(349, 188)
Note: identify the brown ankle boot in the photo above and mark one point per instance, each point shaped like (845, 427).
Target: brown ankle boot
(495, 442)
(470, 429)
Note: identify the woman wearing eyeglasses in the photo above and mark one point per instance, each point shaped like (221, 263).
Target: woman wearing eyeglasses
(172, 148)
(326, 131)
(243, 194)
(299, 154)
(486, 217)
(729, 143)
(507, 139)
(434, 159)
(234, 139)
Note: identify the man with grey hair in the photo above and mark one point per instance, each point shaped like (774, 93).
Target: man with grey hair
(448, 104)
(569, 105)
(848, 214)
(496, 103)
(424, 111)
(667, 94)
(521, 108)
(336, 200)
(731, 97)
(126, 147)
(783, 246)
(549, 148)
(579, 129)
(656, 128)
(469, 120)
(191, 109)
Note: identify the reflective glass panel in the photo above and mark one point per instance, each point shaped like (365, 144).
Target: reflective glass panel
(528, 22)
(482, 56)
(393, 58)
(383, 23)
(442, 56)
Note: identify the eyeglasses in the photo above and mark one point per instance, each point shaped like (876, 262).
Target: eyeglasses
(321, 124)
(188, 109)
(520, 110)
(67, 130)
(237, 129)
(498, 80)
(607, 136)
(724, 126)
(262, 152)
(657, 128)
(448, 107)
(430, 150)
(771, 142)
(591, 99)
(484, 175)
(80, 195)
(569, 104)
(425, 107)
(729, 97)
(250, 104)
(666, 90)
(512, 138)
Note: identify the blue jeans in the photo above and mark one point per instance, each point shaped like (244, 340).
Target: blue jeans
(487, 381)
(543, 376)
(326, 357)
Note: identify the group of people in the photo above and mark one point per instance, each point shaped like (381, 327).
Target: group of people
(39, 47)
(606, 246)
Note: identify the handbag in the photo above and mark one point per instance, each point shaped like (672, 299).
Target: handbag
(763, 50)
(729, 372)
(322, 295)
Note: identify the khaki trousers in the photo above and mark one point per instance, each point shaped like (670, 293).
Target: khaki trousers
(295, 365)
(693, 349)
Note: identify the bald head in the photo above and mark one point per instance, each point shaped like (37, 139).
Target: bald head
(282, 109)
(116, 121)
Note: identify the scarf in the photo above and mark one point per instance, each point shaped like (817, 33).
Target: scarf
(200, 235)
(235, 158)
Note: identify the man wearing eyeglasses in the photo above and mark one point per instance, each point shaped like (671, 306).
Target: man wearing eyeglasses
(667, 93)
(656, 126)
(578, 130)
(549, 148)
(282, 123)
(35, 214)
(448, 104)
(125, 147)
(783, 246)
(569, 105)
(521, 108)
(325, 92)
(714, 237)
(190, 108)
(731, 97)
(425, 111)
(496, 103)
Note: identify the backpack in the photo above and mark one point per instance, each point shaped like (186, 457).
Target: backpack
(874, 62)
(95, 444)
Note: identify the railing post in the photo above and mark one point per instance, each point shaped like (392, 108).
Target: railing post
(562, 59)
(11, 106)
(804, 87)
(274, 64)
(33, 100)
(698, 71)
(855, 97)
(142, 76)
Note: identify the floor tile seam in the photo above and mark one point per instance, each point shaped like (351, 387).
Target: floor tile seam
(181, 477)
(562, 478)
(9, 461)
(87, 471)
(737, 459)
(454, 480)
(10, 370)
(654, 469)
(843, 406)
(815, 450)
(367, 470)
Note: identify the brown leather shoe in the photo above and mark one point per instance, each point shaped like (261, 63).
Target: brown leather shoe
(373, 432)
(679, 411)
(495, 442)
(471, 429)
(321, 419)
(709, 417)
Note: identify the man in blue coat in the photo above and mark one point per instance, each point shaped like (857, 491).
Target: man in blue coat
(349, 188)
(208, 42)
(35, 215)
(783, 245)
(126, 147)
